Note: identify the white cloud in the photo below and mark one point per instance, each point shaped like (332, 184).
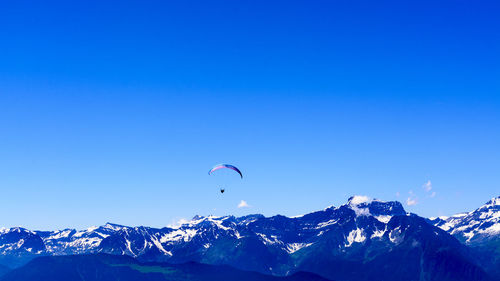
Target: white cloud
(243, 204)
(411, 201)
(397, 194)
(433, 194)
(427, 186)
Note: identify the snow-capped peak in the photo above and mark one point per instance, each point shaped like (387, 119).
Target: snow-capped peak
(359, 199)
(493, 202)
(113, 226)
(200, 219)
(358, 204)
(482, 222)
(366, 206)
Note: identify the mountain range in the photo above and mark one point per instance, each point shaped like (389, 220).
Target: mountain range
(479, 230)
(364, 239)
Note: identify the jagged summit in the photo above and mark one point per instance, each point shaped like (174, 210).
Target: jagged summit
(495, 201)
(197, 217)
(475, 225)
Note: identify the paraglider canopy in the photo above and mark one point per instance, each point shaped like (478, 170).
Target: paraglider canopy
(225, 166)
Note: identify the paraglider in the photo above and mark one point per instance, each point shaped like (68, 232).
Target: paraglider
(225, 166)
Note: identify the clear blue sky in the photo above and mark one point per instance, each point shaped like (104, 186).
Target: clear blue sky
(116, 111)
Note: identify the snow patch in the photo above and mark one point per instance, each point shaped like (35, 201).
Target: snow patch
(377, 233)
(61, 234)
(395, 235)
(384, 219)
(327, 223)
(237, 234)
(494, 229)
(269, 241)
(360, 211)
(355, 236)
(294, 247)
(178, 235)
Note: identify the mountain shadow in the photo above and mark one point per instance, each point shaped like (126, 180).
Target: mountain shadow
(104, 267)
